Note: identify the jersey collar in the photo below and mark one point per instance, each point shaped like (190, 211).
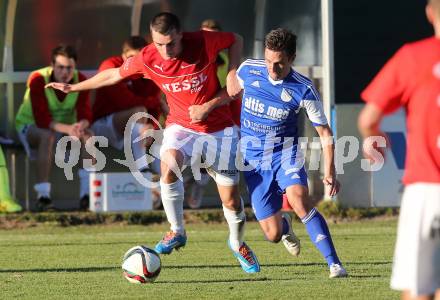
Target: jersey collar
(278, 82)
(274, 82)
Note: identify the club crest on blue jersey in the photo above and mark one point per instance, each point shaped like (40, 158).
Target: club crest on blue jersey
(285, 96)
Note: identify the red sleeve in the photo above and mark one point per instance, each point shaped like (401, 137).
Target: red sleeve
(133, 66)
(40, 107)
(387, 90)
(217, 41)
(83, 109)
(106, 64)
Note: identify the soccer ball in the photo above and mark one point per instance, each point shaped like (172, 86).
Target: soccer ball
(141, 265)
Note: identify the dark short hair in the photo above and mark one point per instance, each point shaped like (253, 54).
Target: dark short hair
(165, 22)
(64, 50)
(281, 39)
(211, 24)
(134, 42)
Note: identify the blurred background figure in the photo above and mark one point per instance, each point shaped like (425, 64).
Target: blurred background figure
(194, 187)
(222, 69)
(7, 203)
(115, 104)
(45, 115)
(411, 79)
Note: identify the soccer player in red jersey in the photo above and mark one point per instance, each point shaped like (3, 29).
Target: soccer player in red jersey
(411, 79)
(183, 65)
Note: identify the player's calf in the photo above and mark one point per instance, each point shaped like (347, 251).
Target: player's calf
(320, 236)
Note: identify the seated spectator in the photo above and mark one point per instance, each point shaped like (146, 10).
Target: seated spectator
(115, 104)
(46, 114)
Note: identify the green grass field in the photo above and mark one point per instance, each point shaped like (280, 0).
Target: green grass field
(50, 262)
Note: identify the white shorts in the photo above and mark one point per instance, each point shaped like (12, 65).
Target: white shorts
(416, 265)
(216, 150)
(104, 127)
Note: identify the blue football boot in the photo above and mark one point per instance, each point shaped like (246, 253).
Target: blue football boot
(247, 259)
(170, 241)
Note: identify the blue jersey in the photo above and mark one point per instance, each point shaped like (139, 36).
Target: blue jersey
(270, 108)
(269, 132)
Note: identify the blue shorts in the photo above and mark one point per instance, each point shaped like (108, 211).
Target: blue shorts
(267, 186)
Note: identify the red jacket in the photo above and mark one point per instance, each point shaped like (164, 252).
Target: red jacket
(40, 107)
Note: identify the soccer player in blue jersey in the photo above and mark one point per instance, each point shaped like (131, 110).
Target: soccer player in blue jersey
(273, 95)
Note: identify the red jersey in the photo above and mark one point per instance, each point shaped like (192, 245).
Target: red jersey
(187, 80)
(411, 79)
(40, 106)
(129, 93)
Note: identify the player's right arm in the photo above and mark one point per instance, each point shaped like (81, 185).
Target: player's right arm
(369, 126)
(384, 95)
(104, 78)
(133, 65)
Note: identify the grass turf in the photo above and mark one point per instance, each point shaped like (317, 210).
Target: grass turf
(83, 262)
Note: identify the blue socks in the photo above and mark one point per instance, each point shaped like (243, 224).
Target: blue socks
(320, 236)
(285, 226)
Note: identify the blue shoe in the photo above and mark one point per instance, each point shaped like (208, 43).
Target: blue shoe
(170, 241)
(247, 259)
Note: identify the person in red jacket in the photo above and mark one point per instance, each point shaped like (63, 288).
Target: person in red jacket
(115, 104)
(46, 115)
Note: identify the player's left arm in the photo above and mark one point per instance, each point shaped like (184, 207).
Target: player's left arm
(198, 113)
(312, 104)
(234, 55)
(326, 136)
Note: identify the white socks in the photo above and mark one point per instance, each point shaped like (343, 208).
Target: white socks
(172, 201)
(236, 221)
(42, 189)
(138, 148)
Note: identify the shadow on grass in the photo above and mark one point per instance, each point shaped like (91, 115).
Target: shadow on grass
(224, 281)
(58, 244)
(63, 270)
(112, 268)
(356, 276)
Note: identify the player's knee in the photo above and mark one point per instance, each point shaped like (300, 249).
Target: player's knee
(171, 162)
(273, 235)
(48, 137)
(300, 201)
(168, 175)
(230, 204)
